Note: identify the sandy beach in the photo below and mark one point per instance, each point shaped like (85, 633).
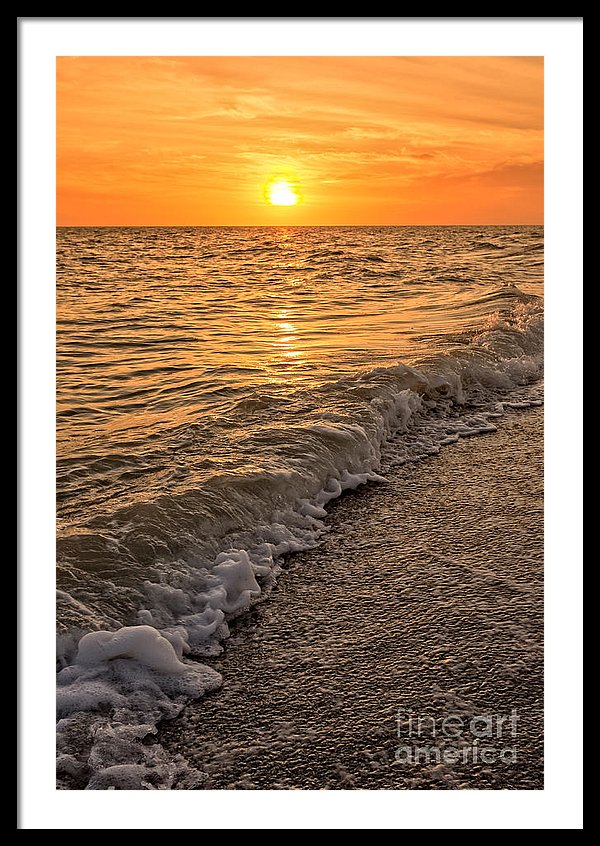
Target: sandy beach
(426, 598)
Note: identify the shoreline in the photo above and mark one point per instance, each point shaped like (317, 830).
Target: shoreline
(425, 596)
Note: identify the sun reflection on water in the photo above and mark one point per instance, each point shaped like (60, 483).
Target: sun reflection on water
(285, 344)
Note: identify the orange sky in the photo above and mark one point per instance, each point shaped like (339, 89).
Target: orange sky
(376, 140)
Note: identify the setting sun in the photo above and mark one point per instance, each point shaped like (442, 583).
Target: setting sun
(282, 193)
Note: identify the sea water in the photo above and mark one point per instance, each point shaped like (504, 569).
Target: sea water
(216, 389)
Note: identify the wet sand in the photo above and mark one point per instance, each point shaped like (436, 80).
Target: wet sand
(425, 596)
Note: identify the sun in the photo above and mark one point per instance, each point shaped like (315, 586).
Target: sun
(280, 192)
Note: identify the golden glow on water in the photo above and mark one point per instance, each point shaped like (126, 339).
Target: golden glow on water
(161, 327)
(286, 345)
(180, 352)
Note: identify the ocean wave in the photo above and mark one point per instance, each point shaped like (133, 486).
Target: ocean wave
(115, 684)
(486, 245)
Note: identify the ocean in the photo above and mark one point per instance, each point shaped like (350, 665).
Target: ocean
(217, 388)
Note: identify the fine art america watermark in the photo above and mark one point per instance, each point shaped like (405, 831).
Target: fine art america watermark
(455, 739)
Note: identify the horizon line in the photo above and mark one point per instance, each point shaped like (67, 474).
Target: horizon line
(272, 225)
